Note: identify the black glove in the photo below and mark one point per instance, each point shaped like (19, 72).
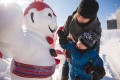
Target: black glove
(95, 76)
(99, 73)
(62, 38)
(89, 67)
(67, 55)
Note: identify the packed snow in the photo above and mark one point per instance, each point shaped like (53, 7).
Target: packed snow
(109, 52)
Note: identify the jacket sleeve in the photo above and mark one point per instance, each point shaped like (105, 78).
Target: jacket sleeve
(67, 46)
(66, 25)
(98, 28)
(98, 62)
(98, 31)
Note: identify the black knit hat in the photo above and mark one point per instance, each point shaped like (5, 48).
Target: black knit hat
(88, 8)
(88, 39)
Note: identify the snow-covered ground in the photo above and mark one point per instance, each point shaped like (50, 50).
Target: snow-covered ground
(109, 51)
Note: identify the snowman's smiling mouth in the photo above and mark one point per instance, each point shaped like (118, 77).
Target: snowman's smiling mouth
(52, 30)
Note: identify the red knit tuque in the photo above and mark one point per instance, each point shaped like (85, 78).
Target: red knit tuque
(38, 6)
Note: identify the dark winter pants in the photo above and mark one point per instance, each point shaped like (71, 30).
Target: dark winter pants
(65, 69)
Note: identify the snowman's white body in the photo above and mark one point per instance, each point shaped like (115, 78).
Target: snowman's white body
(29, 47)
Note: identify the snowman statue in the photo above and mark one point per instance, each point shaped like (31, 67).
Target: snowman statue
(33, 56)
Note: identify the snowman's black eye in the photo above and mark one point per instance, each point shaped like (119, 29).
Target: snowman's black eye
(32, 15)
(49, 14)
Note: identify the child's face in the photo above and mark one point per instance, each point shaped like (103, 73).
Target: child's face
(81, 46)
(81, 19)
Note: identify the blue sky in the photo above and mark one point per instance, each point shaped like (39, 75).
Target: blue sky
(64, 8)
(107, 10)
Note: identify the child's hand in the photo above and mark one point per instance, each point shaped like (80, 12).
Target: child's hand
(81, 46)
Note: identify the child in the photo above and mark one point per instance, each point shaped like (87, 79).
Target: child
(85, 63)
(82, 20)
